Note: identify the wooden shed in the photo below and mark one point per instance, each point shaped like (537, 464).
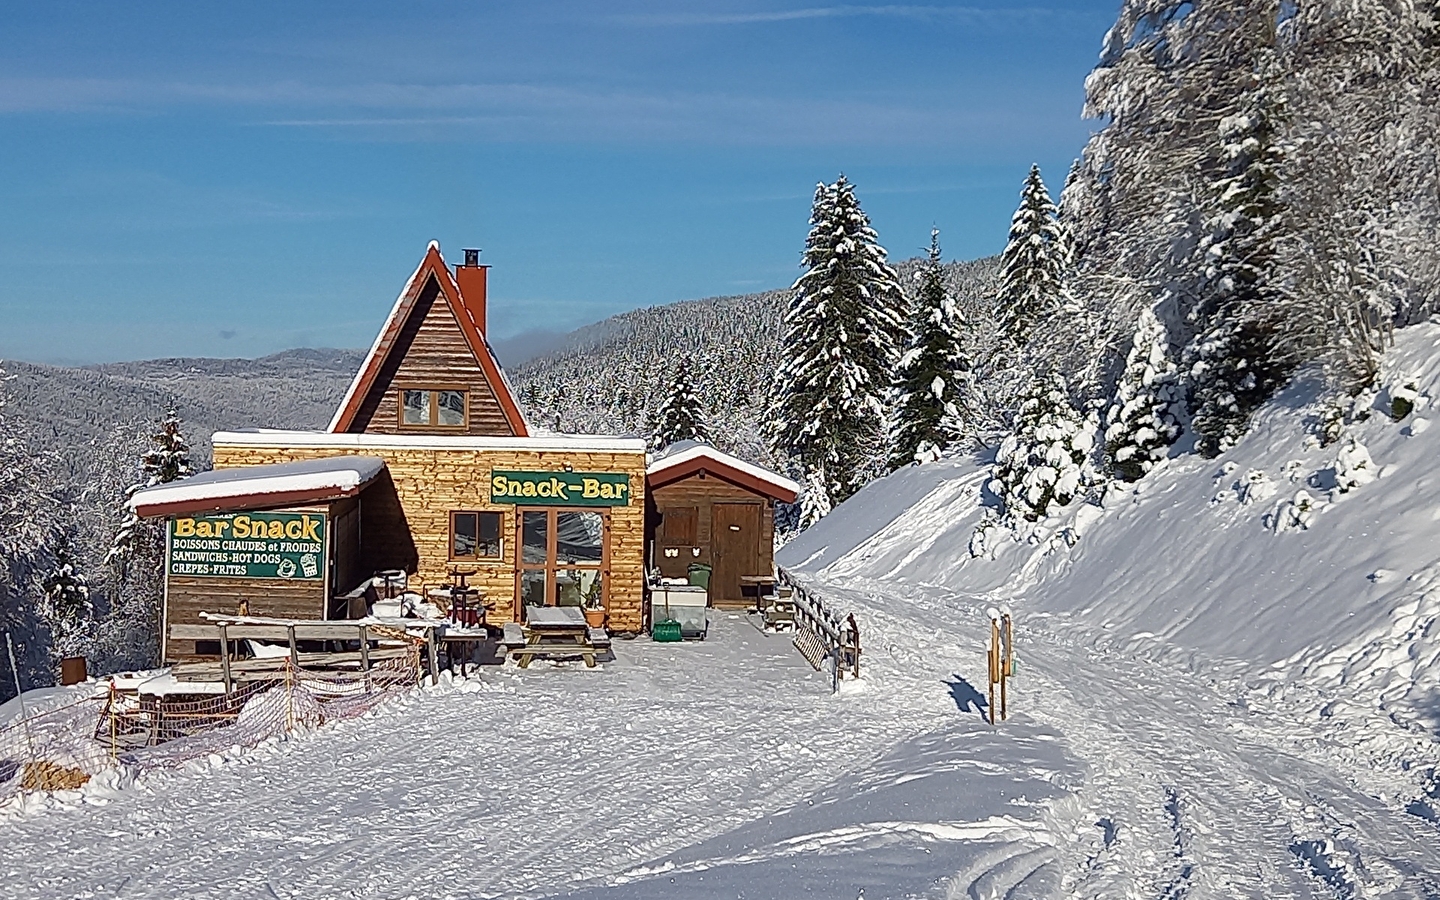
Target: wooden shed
(277, 540)
(711, 508)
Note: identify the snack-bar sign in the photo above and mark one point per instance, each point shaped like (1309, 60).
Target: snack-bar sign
(288, 546)
(560, 488)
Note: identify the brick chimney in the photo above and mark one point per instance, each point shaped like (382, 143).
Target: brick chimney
(471, 278)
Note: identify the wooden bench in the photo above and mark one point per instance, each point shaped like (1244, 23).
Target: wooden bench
(513, 636)
(523, 655)
(599, 638)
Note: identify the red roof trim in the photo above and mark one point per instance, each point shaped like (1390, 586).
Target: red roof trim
(433, 266)
(712, 466)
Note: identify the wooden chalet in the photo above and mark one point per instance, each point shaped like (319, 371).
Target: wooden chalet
(710, 508)
(428, 466)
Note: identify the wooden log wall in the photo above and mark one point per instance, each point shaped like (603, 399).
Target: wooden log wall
(429, 484)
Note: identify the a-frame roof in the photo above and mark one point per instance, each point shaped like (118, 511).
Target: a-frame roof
(431, 267)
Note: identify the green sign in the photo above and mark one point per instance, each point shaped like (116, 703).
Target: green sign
(288, 546)
(560, 488)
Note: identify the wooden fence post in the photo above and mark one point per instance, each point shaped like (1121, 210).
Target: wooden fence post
(225, 659)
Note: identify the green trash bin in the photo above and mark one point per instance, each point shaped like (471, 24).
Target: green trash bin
(699, 574)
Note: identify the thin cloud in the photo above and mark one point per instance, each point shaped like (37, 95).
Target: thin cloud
(924, 13)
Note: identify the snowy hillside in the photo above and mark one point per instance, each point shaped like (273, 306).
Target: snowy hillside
(1210, 556)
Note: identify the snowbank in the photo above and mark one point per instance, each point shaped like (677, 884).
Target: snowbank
(1318, 562)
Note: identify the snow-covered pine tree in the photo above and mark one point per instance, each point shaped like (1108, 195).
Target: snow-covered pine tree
(843, 327)
(1142, 420)
(1234, 364)
(1044, 463)
(1035, 262)
(27, 517)
(67, 608)
(137, 554)
(814, 499)
(682, 416)
(927, 379)
(167, 460)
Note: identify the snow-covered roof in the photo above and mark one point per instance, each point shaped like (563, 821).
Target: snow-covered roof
(575, 443)
(687, 457)
(259, 487)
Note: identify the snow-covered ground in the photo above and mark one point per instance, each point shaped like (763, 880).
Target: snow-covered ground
(1220, 695)
(555, 779)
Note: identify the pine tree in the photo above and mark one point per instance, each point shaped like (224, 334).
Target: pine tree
(682, 416)
(1234, 364)
(1035, 263)
(814, 499)
(1141, 423)
(927, 380)
(27, 518)
(67, 607)
(843, 327)
(137, 554)
(1045, 462)
(167, 460)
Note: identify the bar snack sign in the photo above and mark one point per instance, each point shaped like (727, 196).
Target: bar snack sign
(560, 488)
(248, 545)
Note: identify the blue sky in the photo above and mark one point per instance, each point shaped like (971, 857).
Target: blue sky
(214, 179)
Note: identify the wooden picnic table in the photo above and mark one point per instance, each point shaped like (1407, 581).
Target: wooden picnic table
(555, 632)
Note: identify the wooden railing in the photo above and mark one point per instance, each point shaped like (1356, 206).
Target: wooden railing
(823, 634)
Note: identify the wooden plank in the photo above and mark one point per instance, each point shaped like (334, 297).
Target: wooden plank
(328, 632)
(225, 659)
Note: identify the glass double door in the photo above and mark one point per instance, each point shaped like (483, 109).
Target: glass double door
(564, 555)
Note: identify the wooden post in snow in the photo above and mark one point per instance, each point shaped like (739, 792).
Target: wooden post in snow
(1000, 660)
(992, 661)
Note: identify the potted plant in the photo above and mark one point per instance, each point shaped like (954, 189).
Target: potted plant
(593, 606)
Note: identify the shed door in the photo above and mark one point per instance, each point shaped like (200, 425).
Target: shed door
(735, 547)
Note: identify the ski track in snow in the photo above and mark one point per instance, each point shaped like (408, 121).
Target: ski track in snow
(728, 769)
(1204, 797)
(514, 788)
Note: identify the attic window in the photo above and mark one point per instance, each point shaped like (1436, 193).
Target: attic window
(426, 408)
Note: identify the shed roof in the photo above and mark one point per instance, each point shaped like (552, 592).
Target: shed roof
(686, 458)
(260, 487)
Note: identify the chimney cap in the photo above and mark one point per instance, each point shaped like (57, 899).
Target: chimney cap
(472, 257)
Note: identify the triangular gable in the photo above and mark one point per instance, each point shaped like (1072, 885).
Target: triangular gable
(431, 267)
